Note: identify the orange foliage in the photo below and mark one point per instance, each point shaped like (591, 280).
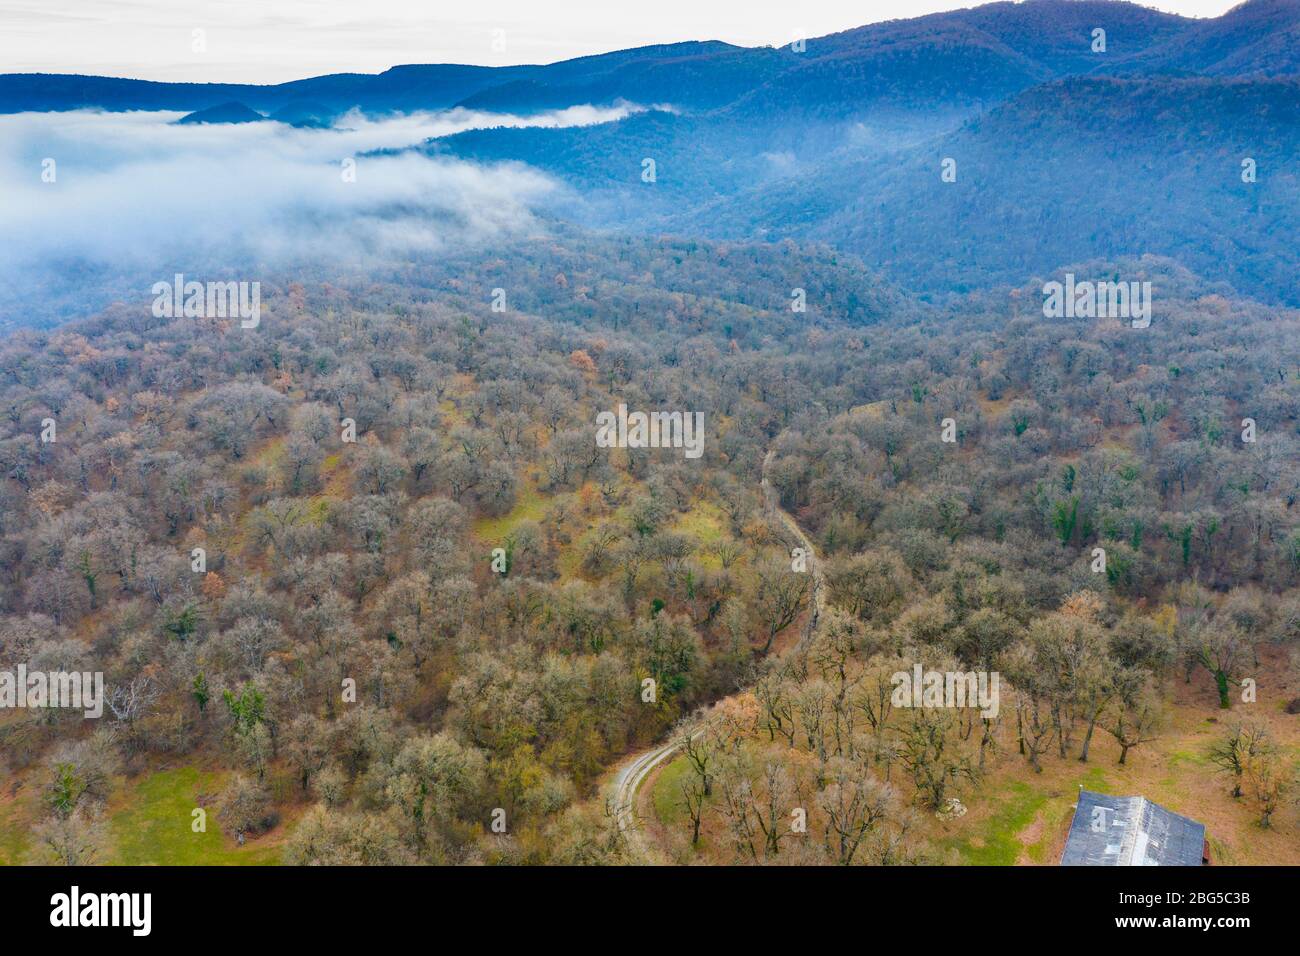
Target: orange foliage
(580, 360)
(213, 587)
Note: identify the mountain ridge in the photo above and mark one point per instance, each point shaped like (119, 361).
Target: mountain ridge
(1045, 38)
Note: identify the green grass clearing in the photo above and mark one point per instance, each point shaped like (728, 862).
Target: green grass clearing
(15, 829)
(530, 505)
(151, 824)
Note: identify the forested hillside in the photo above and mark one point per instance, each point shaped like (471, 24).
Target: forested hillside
(970, 149)
(355, 673)
(1080, 169)
(973, 148)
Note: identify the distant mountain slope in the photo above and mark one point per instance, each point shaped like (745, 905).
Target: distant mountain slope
(976, 57)
(305, 113)
(1261, 37)
(1078, 169)
(225, 113)
(979, 55)
(42, 92)
(1054, 34)
(693, 159)
(951, 66)
(698, 81)
(401, 88)
(1064, 152)
(868, 90)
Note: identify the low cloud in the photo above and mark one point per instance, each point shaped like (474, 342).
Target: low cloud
(135, 197)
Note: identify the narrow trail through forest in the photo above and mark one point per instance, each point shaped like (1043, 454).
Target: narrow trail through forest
(634, 771)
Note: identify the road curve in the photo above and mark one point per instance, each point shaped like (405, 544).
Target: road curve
(633, 773)
(629, 779)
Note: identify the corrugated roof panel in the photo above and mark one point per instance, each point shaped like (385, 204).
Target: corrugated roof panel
(1130, 831)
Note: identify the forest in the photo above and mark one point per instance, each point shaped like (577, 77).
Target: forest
(365, 589)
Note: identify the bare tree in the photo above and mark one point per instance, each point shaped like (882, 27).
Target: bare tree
(72, 840)
(1221, 648)
(854, 803)
(132, 702)
(699, 745)
(779, 597)
(1133, 720)
(1233, 754)
(774, 696)
(1034, 727)
(693, 798)
(1269, 783)
(930, 752)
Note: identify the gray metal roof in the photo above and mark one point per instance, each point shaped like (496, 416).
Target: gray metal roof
(1130, 831)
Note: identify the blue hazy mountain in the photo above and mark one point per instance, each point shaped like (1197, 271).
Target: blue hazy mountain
(1068, 145)
(1082, 168)
(306, 114)
(985, 53)
(1062, 154)
(1259, 38)
(224, 113)
(402, 88)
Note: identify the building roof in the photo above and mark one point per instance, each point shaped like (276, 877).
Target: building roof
(1130, 831)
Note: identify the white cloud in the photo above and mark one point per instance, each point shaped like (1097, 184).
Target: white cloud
(136, 195)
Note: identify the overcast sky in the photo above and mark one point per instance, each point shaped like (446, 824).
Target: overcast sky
(270, 41)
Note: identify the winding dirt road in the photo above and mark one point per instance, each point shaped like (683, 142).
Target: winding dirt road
(637, 768)
(772, 503)
(626, 784)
